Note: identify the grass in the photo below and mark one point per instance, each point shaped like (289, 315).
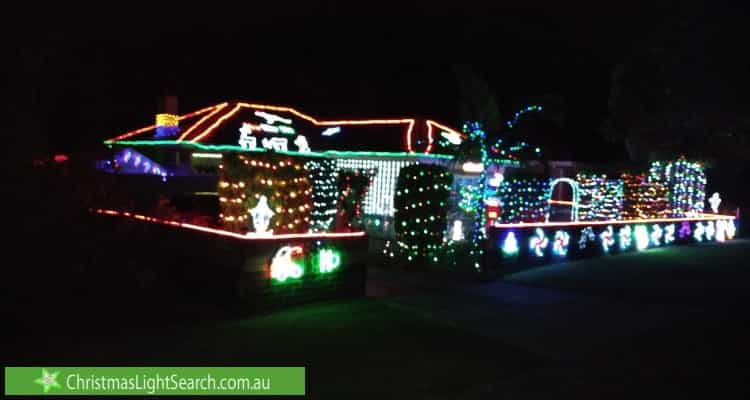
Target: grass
(704, 272)
(352, 349)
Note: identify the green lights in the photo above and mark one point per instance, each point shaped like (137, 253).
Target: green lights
(328, 260)
(328, 153)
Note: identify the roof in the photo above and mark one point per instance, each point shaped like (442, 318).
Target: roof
(238, 122)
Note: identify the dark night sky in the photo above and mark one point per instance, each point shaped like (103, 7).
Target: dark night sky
(95, 76)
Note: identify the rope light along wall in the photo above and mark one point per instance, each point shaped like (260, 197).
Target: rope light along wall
(379, 199)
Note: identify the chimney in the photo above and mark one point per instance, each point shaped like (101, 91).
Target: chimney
(167, 120)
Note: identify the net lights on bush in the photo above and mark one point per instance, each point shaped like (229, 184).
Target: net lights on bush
(685, 182)
(524, 200)
(600, 198)
(421, 203)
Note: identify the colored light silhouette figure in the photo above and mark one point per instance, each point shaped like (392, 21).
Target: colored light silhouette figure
(626, 237)
(587, 235)
(656, 235)
(560, 246)
(607, 237)
(510, 245)
(685, 230)
(669, 234)
(282, 266)
(261, 215)
(710, 230)
(641, 237)
(301, 143)
(328, 260)
(715, 200)
(731, 229)
(699, 231)
(539, 243)
(721, 229)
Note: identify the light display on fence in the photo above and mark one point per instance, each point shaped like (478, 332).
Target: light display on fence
(524, 200)
(685, 184)
(600, 198)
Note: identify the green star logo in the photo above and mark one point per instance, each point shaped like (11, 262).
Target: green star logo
(48, 380)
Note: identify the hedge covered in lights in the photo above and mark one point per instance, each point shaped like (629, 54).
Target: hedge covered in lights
(524, 199)
(264, 193)
(421, 206)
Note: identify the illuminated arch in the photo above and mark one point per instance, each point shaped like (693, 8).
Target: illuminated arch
(576, 196)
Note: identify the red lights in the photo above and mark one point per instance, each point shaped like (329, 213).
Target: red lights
(228, 233)
(702, 217)
(214, 110)
(60, 158)
(150, 127)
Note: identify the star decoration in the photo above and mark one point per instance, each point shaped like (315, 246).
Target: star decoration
(48, 380)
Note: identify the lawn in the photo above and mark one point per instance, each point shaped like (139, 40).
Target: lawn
(352, 349)
(710, 272)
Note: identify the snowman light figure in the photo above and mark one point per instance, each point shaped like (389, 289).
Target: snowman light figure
(715, 200)
(261, 215)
